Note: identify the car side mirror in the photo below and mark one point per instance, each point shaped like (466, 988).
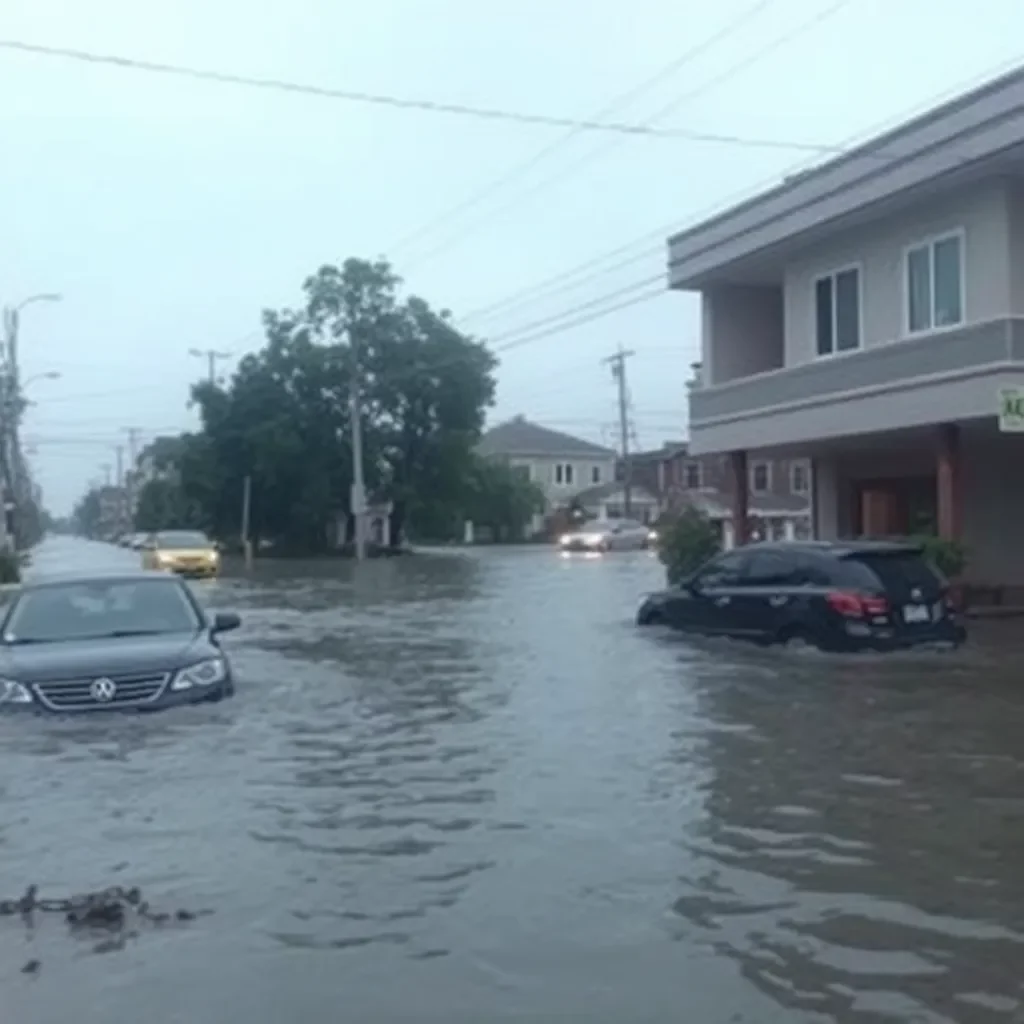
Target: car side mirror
(224, 622)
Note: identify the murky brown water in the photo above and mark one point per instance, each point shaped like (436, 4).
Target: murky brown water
(466, 788)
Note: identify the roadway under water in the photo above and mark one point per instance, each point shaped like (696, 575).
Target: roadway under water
(465, 788)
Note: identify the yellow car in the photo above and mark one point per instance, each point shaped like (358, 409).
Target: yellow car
(185, 552)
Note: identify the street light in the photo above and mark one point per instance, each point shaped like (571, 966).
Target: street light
(41, 297)
(48, 375)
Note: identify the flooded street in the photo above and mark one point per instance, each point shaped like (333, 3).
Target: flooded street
(464, 787)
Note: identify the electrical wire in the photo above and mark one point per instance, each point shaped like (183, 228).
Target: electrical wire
(669, 108)
(609, 109)
(405, 103)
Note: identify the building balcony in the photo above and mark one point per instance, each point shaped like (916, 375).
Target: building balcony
(942, 376)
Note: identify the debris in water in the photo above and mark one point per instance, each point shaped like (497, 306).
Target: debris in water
(32, 967)
(104, 910)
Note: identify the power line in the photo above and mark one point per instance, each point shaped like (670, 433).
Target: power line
(610, 108)
(579, 274)
(380, 99)
(669, 108)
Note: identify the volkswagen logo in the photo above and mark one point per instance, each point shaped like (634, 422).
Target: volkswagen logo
(103, 690)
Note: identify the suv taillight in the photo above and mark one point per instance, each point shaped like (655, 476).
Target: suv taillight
(852, 605)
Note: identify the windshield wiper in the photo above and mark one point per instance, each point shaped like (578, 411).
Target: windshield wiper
(131, 632)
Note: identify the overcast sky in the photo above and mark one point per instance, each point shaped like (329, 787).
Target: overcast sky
(169, 212)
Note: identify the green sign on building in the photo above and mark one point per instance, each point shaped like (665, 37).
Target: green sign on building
(1011, 410)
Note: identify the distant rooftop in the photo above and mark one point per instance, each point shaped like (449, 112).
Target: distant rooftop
(518, 436)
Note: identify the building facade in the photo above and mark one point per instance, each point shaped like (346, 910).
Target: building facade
(868, 316)
(562, 466)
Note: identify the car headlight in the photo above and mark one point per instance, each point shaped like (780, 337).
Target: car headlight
(203, 673)
(14, 693)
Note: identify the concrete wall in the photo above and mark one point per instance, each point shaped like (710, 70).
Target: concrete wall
(742, 331)
(984, 213)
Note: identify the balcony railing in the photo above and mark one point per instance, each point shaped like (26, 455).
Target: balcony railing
(977, 346)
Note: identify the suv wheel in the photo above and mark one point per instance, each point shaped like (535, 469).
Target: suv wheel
(797, 640)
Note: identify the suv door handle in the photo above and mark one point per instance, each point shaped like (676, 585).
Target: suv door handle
(722, 601)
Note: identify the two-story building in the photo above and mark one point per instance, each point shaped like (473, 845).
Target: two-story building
(868, 315)
(779, 489)
(561, 465)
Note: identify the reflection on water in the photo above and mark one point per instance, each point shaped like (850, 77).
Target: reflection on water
(464, 787)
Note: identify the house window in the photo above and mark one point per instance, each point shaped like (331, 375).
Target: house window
(935, 284)
(800, 477)
(837, 311)
(595, 474)
(692, 476)
(761, 477)
(563, 473)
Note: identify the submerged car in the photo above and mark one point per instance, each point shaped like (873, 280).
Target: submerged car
(185, 552)
(836, 596)
(608, 535)
(128, 642)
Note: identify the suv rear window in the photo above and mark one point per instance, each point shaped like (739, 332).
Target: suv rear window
(898, 572)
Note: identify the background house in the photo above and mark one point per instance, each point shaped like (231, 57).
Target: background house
(559, 464)
(779, 489)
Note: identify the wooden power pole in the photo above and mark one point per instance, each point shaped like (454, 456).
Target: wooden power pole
(618, 365)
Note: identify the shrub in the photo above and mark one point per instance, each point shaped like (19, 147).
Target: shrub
(685, 542)
(10, 567)
(948, 556)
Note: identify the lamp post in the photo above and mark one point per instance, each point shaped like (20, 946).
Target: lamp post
(13, 479)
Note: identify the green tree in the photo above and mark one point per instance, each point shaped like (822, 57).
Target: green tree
(685, 542)
(88, 513)
(501, 499)
(162, 505)
(283, 420)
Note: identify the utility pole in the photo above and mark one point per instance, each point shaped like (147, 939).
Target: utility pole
(246, 515)
(358, 496)
(130, 477)
(106, 467)
(211, 355)
(618, 365)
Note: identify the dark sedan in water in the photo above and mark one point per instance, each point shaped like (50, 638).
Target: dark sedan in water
(128, 642)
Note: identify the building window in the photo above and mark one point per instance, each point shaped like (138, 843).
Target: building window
(837, 311)
(935, 284)
(692, 476)
(761, 477)
(595, 474)
(563, 473)
(800, 477)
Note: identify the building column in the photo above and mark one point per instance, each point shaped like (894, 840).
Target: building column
(948, 483)
(740, 497)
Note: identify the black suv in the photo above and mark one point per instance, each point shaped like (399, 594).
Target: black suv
(838, 596)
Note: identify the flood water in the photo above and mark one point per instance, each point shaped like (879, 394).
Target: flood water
(465, 788)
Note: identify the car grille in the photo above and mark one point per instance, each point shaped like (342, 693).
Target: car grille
(77, 694)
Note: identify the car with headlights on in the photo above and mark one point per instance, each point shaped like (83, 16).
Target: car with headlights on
(132, 642)
(185, 552)
(608, 535)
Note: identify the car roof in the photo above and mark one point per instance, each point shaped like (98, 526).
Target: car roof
(838, 548)
(66, 578)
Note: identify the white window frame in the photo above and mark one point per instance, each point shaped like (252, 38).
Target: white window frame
(805, 465)
(831, 275)
(929, 242)
(595, 474)
(753, 476)
(564, 474)
(699, 466)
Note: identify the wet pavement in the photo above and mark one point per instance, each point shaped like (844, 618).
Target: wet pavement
(465, 788)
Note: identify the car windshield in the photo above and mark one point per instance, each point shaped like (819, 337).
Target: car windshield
(182, 539)
(94, 609)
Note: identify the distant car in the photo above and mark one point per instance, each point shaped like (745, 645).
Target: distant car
(608, 535)
(129, 642)
(185, 552)
(836, 596)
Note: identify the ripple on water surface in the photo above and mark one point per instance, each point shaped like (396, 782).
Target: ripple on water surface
(465, 787)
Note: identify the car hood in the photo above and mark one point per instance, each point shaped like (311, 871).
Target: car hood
(173, 553)
(69, 659)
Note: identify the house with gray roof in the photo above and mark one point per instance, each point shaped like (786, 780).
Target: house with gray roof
(561, 465)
